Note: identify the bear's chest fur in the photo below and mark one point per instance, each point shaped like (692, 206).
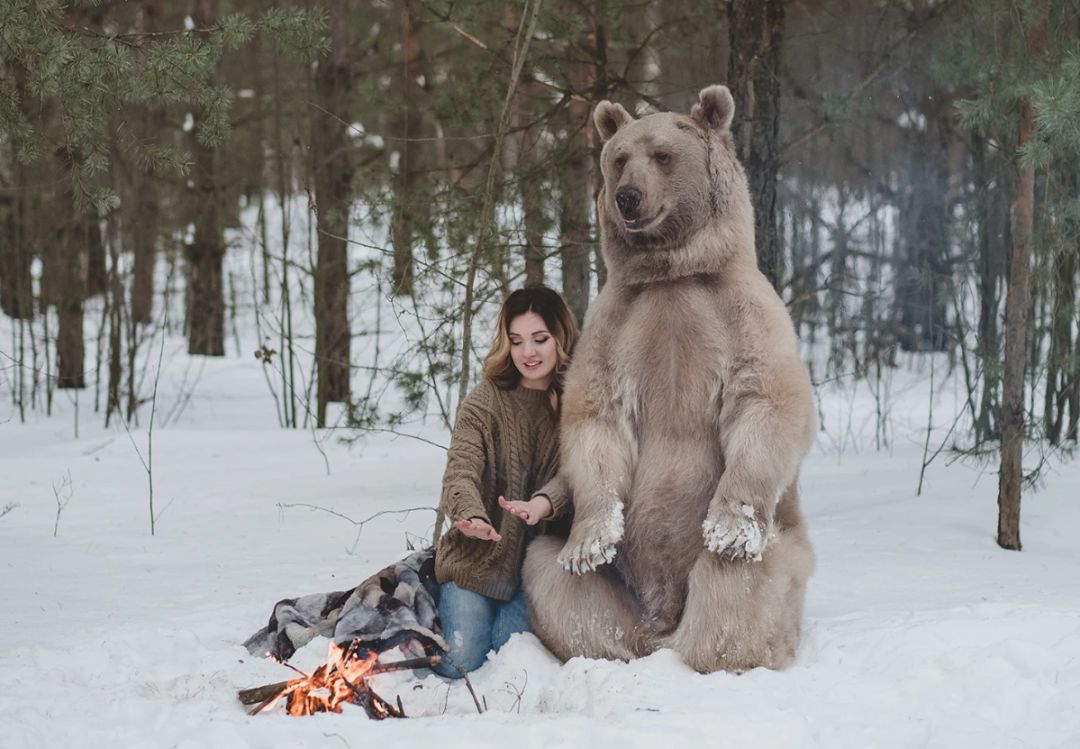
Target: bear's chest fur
(669, 350)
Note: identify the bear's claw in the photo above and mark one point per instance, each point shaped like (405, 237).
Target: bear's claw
(592, 544)
(737, 535)
(592, 540)
(585, 557)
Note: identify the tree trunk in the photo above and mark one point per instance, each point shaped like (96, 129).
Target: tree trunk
(1073, 389)
(923, 271)
(89, 227)
(333, 176)
(83, 221)
(813, 302)
(871, 324)
(1016, 310)
(206, 295)
(840, 279)
(993, 235)
(408, 129)
(532, 202)
(144, 223)
(64, 278)
(575, 247)
(528, 166)
(600, 87)
(574, 244)
(206, 253)
(756, 32)
(16, 227)
(70, 278)
(114, 315)
(1061, 363)
(143, 229)
(48, 246)
(1061, 347)
(16, 289)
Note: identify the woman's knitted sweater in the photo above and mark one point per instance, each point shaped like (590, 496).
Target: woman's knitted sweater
(505, 442)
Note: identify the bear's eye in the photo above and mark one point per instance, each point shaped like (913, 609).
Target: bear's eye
(620, 161)
(662, 158)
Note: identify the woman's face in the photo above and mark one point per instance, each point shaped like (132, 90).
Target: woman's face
(532, 348)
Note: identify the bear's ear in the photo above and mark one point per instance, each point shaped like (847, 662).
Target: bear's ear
(608, 118)
(715, 108)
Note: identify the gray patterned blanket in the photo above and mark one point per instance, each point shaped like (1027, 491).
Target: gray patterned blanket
(393, 606)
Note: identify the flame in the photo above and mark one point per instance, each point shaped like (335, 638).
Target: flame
(341, 679)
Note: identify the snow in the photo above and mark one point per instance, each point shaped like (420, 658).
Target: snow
(734, 535)
(919, 631)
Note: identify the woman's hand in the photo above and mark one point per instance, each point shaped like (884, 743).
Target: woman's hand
(478, 528)
(532, 511)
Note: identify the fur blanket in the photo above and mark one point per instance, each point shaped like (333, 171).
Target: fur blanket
(390, 608)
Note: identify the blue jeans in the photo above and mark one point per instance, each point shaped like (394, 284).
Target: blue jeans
(474, 624)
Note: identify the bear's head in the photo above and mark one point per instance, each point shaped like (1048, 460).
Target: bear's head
(668, 176)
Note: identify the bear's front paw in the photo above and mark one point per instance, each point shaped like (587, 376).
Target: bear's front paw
(735, 533)
(590, 545)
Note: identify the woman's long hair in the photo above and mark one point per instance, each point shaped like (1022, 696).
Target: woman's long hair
(499, 367)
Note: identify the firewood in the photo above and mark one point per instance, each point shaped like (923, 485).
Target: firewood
(267, 692)
(260, 694)
(392, 711)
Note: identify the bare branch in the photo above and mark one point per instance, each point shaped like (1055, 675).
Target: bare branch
(358, 523)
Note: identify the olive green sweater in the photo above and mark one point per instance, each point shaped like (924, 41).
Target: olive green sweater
(505, 442)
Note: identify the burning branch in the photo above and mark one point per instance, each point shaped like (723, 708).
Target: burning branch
(343, 678)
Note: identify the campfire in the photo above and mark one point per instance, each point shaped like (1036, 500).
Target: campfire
(341, 679)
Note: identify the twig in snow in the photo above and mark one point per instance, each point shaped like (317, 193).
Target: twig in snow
(929, 458)
(8, 508)
(161, 513)
(62, 487)
(929, 429)
(513, 689)
(153, 412)
(446, 699)
(476, 700)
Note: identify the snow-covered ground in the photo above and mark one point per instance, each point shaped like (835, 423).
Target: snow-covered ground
(919, 630)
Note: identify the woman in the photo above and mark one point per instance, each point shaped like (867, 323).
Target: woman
(504, 444)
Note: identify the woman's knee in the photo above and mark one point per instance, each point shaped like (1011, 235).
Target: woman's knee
(467, 620)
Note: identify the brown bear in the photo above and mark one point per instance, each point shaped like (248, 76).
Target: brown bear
(686, 414)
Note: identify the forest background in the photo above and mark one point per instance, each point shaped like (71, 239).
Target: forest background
(914, 165)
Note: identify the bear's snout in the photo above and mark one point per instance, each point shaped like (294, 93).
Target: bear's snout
(629, 201)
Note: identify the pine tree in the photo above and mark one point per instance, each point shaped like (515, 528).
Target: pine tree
(1025, 96)
(76, 74)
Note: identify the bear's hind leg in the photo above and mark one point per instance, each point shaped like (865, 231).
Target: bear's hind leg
(741, 615)
(589, 615)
